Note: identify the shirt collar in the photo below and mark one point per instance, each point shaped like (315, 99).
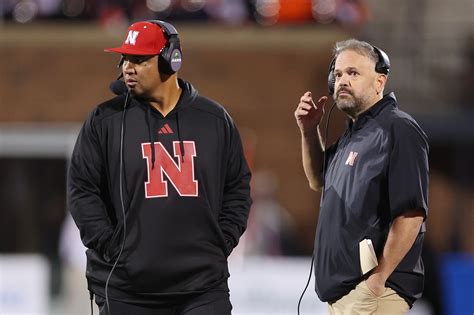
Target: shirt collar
(388, 99)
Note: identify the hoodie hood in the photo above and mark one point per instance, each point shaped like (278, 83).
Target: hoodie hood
(188, 95)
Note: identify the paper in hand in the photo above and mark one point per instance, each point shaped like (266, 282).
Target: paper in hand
(368, 259)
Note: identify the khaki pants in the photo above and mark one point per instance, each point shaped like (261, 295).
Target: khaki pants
(362, 301)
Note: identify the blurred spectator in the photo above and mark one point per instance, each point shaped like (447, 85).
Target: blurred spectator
(348, 13)
(228, 11)
(353, 14)
(112, 13)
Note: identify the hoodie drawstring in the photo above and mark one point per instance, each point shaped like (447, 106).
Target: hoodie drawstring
(150, 136)
(181, 145)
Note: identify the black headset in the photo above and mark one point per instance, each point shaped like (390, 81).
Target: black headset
(382, 66)
(170, 58)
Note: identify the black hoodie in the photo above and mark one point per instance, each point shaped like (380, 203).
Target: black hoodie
(186, 199)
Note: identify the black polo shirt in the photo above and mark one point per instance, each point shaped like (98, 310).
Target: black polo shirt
(375, 172)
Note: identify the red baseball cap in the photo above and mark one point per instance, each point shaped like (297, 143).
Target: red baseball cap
(143, 38)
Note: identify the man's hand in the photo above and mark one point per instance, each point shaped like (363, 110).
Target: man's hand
(308, 115)
(400, 239)
(376, 284)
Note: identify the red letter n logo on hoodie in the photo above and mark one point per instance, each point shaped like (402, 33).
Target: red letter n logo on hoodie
(180, 175)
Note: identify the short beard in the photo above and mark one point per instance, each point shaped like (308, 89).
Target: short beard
(351, 106)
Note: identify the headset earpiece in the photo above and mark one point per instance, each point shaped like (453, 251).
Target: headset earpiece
(170, 58)
(331, 77)
(382, 66)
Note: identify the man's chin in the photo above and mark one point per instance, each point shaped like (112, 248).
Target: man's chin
(134, 92)
(347, 107)
(344, 104)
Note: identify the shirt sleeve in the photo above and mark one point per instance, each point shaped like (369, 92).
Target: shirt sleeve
(408, 169)
(86, 182)
(236, 200)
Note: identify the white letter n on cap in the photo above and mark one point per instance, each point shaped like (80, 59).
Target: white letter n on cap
(132, 37)
(351, 158)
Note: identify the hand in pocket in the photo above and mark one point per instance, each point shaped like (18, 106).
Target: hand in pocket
(375, 285)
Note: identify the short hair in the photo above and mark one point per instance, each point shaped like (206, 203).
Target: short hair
(358, 46)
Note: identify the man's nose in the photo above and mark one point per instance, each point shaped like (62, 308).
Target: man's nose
(344, 80)
(128, 67)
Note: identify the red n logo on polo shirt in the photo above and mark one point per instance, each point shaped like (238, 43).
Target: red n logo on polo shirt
(351, 158)
(180, 174)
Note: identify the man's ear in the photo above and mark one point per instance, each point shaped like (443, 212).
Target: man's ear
(380, 83)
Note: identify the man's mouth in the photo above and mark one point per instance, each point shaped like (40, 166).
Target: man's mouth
(131, 83)
(343, 93)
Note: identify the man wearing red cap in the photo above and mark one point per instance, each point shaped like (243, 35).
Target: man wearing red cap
(159, 187)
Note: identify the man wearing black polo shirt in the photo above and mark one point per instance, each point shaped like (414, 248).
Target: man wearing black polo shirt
(375, 189)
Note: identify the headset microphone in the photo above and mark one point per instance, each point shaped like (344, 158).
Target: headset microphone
(118, 87)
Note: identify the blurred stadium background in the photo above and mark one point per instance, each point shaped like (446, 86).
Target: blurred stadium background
(256, 57)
